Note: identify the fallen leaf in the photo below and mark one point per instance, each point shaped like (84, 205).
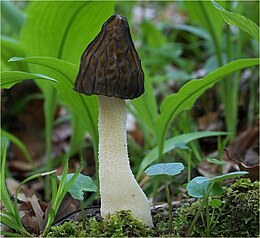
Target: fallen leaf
(39, 214)
(253, 171)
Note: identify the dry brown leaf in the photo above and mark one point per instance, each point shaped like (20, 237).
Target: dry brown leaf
(39, 214)
(253, 171)
(243, 142)
(32, 213)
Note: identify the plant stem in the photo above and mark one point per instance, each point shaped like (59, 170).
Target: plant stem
(220, 152)
(49, 112)
(82, 215)
(200, 209)
(252, 103)
(212, 33)
(207, 215)
(212, 216)
(216, 220)
(189, 167)
(169, 201)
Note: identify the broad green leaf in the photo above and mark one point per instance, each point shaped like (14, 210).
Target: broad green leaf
(174, 143)
(216, 161)
(229, 176)
(170, 169)
(10, 78)
(81, 183)
(63, 29)
(175, 103)
(239, 21)
(65, 73)
(198, 187)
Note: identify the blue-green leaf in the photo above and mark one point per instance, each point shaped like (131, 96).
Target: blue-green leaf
(199, 186)
(81, 183)
(229, 176)
(165, 169)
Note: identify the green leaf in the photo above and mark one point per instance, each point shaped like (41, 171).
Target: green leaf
(216, 161)
(174, 143)
(229, 176)
(239, 21)
(193, 30)
(12, 14)
(198, 187)
(81, 183)
(215, 203)
(4, 193)
(10, 222)
(206, 16)
(65, 73)
(165, 169)
(19, 144)
(175, 103)
(63, 29)
(145, 107)
(10, 78)
(153, 36)
(9, 48)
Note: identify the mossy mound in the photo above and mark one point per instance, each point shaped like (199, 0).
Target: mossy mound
(238, 216)
(121, 224)
(68, 229)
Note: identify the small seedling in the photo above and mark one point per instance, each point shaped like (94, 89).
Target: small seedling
(202, 187)
(59, 193)
(81, 183)
(164, 170)
(10, 216)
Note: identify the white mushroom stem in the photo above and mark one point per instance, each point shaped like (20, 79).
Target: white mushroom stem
(118, 188)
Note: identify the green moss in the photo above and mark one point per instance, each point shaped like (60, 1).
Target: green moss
(238, 215)
(67, 229)
(121, 224)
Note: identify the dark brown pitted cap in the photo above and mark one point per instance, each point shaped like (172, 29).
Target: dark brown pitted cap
(110, 65)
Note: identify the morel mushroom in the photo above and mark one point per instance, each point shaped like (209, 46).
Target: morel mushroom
(110, 67)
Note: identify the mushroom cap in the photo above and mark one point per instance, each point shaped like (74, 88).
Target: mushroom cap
(110, 65)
